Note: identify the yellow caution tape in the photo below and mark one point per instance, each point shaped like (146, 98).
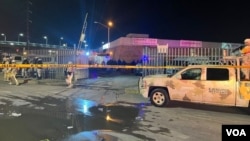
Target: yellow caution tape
(78, 66)
(100, 66)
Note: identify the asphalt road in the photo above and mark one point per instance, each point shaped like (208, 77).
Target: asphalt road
(132, 117)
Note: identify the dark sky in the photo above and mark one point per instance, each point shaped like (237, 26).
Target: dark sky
(213, 21)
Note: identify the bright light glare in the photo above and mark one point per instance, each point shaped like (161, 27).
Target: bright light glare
(108, 118)
(83, 106)
(110, 24)
(85, 109)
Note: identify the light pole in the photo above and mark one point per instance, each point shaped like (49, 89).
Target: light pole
(19, 35)
(110, 24)
(46, 39)
(4, 36)
(60, 43)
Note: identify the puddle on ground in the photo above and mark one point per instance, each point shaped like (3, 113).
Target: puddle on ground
(51, 119)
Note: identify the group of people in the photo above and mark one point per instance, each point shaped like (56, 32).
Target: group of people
(32, 72)
(37, 72)
(10, 73)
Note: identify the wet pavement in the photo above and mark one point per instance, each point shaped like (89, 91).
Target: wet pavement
(94, 110)
(69, 121)
(104, 108)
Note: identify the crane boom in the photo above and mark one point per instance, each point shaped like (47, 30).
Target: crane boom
(82, 36)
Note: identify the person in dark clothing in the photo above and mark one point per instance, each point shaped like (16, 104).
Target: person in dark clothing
(39, 69)
(34, 70)
(25, 70)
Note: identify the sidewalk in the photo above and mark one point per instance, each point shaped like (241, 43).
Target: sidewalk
(109, 80)
(31, 80)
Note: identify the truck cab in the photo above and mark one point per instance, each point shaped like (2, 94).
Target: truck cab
(207, 84)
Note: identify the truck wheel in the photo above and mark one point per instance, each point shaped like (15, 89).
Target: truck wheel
(159, 97)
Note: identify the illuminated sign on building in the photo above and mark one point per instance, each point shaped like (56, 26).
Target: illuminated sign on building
(144, 41)
(105, 46)
(189, 43)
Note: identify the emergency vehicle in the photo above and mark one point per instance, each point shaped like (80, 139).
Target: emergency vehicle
(222, 85)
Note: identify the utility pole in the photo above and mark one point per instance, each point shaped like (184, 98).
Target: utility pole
(28, 21)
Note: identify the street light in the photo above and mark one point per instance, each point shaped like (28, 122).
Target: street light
(4, 36)
(85, 44)
(46, 38)
(19, 35)
(60, 43)
(110, 24)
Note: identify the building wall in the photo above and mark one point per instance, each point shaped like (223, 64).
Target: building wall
(131, 48)
(126, 53)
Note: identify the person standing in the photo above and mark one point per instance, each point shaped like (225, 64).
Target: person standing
(39, 68)
(25, 70)
(245, 51)
(5, 70)
(70, 75)
(34, 70)
(12, 75)
(8, 69)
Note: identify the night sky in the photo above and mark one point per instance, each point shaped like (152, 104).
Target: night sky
(212, 21)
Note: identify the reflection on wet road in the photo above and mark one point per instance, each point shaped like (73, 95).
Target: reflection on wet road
(67, 120)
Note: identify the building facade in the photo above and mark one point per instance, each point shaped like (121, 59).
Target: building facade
(133, 46)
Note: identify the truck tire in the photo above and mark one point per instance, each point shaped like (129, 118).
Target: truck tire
(159, 97)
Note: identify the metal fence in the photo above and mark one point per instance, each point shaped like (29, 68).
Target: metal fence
(165, 61)
(60, 56)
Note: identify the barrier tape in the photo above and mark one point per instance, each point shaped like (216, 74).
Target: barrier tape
(78, 66)
(100, 66)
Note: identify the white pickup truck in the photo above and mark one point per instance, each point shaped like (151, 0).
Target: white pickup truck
(208, 84)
